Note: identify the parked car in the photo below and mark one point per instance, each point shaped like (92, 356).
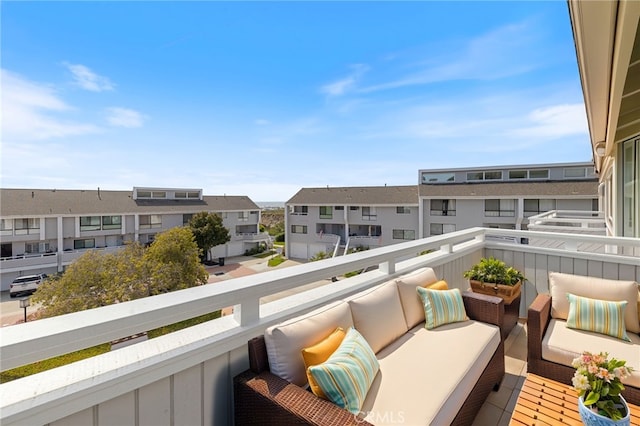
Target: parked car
(26, 284)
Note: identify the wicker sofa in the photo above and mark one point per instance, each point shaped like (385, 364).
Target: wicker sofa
(438, 376)
(552, 345)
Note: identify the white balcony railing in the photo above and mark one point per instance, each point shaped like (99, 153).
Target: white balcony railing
(185, 377)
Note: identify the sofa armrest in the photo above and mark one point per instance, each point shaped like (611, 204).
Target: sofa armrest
(485, 308)
(267, 399)
(538, 318)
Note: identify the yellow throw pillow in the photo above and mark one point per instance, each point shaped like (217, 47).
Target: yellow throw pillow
(438, 285)
(319, 353)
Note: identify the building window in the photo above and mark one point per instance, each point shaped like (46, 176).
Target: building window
(186, 218)
(443, 207)
(6, 226)
(630, 180)
(438, 177)
(533, 207)
(300, 210)
(111, 222)
(90, 223)
(354, 208)
(488, 175)
(326, 212)
(298, 229)
(369, 213)
(575, 172)
(503, 208)
(403, 210)
(518, 174)
(341, 208)
(243, 216)
(26, 226)
(84, 244)
(441, 228)
(187, 195)
(144, 194)
(150, 221)
(539, 174)
(404, 234)
(34, 248)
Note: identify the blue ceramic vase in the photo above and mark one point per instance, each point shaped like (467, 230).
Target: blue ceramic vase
(589, 418)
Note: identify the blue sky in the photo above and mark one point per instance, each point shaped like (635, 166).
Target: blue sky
(263, 98)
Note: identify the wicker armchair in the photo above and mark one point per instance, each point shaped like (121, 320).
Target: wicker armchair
(537, 321)
(262, 398)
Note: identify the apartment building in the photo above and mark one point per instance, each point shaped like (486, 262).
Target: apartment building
(334, 220)
(502, 196)
(44, 230)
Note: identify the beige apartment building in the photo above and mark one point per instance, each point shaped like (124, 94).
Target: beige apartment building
(44, 230)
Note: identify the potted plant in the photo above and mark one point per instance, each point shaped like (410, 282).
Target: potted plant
(492, 276)
(597, 382)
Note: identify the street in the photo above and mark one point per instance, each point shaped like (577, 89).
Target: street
(10, 310)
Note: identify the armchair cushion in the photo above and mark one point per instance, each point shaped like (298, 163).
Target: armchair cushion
(599, 316)
(595, 288)
(285, 341)
(413, 307)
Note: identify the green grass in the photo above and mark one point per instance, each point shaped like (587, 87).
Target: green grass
(265, 254)
(48, 364)
(275, 261)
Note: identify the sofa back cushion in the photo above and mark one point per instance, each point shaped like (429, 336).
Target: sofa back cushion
(411, 303)
(595, 288)
(285, 341)
(377, 315)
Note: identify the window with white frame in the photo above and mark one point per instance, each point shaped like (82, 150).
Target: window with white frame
(26, 226)
(443, 207)
(369, 213)
(444, 177)
(441, 228)
(90, 223)
(300, 210)
(539, 174)
(85, 243)
(404, 234)
(486, 175)
(6, 226)
(243, 216)
(150, 221)
(326, 212)
(500, 207)
(111, 222)
(535, 206)
(403, 210)
(298, 229)
(35, 248)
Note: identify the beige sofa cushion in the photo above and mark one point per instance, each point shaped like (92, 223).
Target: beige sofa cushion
(411, 303)
(562, 344)
(285, 341)
(595, 288)
(377, 315)
(415, 387)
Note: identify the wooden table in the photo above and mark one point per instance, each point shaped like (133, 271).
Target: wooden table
(543, 401)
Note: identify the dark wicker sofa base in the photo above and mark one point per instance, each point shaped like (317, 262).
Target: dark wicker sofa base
(262, 398)
(538, 319)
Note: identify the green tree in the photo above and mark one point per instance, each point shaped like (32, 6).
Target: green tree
(208, 231)
(97, 279)
(173, 262)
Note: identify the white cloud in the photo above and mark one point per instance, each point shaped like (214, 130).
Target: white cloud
(88, 80)
(30, 109)
(124, 117)
(554, 122)
(342, 86)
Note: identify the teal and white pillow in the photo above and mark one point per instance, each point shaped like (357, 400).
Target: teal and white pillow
(442, 306)
(598, 316)
(345, 378)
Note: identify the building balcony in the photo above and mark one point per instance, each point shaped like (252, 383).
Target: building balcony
(186, 377)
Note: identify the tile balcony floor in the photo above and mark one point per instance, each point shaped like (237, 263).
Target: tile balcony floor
(499, 405)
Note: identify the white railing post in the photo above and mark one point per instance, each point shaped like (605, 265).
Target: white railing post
(388, 267)
(247, 312)
(446, 248)
(571, 245)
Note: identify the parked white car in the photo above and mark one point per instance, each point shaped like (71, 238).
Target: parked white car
(26, 284)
